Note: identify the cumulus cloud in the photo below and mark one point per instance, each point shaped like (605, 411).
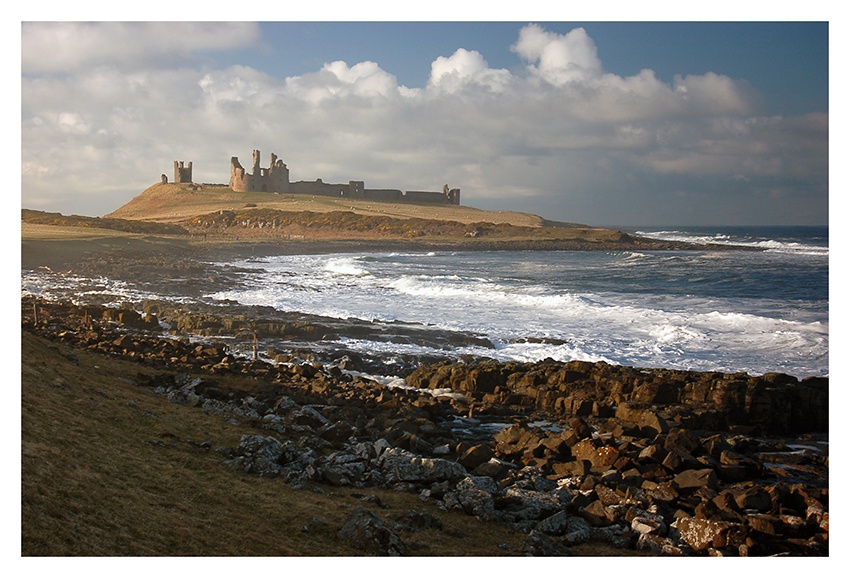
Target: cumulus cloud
(337, 79)
(563, 137)
(558, 59)
(466, 68)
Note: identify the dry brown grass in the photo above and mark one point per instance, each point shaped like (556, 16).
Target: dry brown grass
(172, 203)
(111, 469)
(202, 216)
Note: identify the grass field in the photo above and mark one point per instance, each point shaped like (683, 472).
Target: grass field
(109, 468)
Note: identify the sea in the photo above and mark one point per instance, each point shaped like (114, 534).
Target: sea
(763, 308)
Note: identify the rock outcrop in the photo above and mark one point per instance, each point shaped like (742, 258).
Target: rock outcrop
(671, 462)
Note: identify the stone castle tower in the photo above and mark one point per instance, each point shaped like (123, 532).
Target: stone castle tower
(274, 179)
(182, 174)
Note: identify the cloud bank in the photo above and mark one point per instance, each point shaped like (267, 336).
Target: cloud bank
(107, 108)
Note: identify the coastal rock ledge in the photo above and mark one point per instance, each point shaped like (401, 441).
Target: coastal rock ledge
(649, 399)
(673, 463)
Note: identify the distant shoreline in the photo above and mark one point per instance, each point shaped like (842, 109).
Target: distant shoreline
(51, 245)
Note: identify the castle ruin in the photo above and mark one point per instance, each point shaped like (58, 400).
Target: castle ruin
(275, 179)
(182, 174)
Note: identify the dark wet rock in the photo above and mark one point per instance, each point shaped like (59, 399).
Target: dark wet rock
(709, 400)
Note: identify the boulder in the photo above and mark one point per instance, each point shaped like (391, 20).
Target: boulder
(601, 457)
(554, 525)
(260, 454)
(515, 440)
(607, 496)
(643, 522)
(703, 534)
(736, 467)
(579, 428)
(403, 466)
(541, 544)
(652, 453)
(682, 440)
(473, 495)
(342, 469)
(658, 545)
(577, 468)
(475, 456)
(598, 514)
(367, 533)
(752, 498)
(690, 480)
(678, 460)
(577, 530)
(524, 504)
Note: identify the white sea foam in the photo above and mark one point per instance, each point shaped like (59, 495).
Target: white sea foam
(698, 310)
(774, 245)
(345, 266)
(79, 289)
(636, 329)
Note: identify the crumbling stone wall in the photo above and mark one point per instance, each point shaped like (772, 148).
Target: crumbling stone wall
(353, 189)
(182, 174)
(274, 179)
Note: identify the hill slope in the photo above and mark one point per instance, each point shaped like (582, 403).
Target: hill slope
(174, 203)
(109, 468)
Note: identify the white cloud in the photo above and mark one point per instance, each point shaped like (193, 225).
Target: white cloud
(465, 68)
(236, 84)
(337, 79)
(65, 47)
(564, 134)
(558, 59)
(712, 94)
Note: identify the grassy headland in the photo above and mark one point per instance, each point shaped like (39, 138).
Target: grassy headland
(214, 215)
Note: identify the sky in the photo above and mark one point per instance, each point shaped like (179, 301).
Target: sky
(607, 123)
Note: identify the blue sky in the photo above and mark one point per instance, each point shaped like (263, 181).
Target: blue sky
(606, 123)
(788, 62)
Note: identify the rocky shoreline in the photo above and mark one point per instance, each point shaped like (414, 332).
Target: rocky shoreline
(649, 460)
